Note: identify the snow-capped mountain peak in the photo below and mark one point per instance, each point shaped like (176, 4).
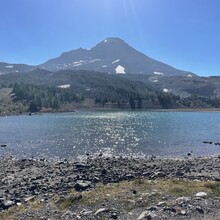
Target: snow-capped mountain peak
(111, 55)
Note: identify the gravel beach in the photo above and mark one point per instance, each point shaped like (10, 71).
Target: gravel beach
(25, 181)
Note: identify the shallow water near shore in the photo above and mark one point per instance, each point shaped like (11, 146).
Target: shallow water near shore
(72, 135)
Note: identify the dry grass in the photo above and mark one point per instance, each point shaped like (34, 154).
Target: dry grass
(128, 193)
(145, 190)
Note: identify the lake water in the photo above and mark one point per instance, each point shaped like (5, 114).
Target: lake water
(72, 135)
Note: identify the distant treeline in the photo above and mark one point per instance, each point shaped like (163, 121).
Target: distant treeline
(38, 97)
(34, 98)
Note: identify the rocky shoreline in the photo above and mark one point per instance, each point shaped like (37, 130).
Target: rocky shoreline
(24, 180)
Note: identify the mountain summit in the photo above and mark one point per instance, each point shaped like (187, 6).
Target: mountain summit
(112, 55)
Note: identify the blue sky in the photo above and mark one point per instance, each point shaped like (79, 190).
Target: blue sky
(182, 33)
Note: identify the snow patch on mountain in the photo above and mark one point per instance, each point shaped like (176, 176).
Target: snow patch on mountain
(116, 61)
(159, 73)
(104, 66)
(9, 67)
(165, 90)
(95, 60)
(79, 63)
(120, 70)
(64, 86)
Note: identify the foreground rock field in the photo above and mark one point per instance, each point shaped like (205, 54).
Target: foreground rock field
(110, 188)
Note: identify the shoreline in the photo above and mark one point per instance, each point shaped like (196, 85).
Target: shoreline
(208, 110)
(25, 180)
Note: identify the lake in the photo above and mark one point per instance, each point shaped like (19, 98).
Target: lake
(72, 135)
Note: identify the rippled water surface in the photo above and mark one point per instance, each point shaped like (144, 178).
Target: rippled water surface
(71, 135)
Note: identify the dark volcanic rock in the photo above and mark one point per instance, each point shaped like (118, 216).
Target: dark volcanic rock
(3, 145)
(82, 185)
(6, 204)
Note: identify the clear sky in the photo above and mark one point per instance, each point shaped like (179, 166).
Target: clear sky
(182, 33)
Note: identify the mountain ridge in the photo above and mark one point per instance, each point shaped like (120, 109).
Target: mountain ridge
(111, 55)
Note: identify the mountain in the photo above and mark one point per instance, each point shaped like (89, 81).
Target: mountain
(112, 55)
(14, 68)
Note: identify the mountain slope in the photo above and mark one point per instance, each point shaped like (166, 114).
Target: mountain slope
(14, 68)
(112, 55)
(83, 82)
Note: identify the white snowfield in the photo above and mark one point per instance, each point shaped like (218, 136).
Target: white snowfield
(165, 90)
(120, 70)
(116, 61)
(9, 67)
(64, 86)
(159, 73)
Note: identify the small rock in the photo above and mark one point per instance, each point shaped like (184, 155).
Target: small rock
(81, 165)
(101, 210)
(114, 215)
(147, 215)
(134, 191)
(129, 176)
(179, 173)
(201, 194)
(29, 198)
(96, 179)
(182, 200)
(68, 215)
(152, 208)
(161, 204)
(182, 212)
(159, 174)
(82, 185)
(85, 212)
(7, 204)
(200, 210)
(207, 142)
(143, 215)
(3, 145)
(104, 171)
